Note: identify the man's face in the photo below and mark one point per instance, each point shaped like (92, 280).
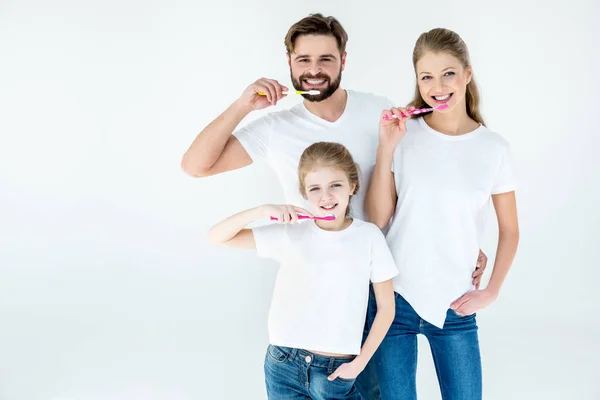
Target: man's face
(316, 64)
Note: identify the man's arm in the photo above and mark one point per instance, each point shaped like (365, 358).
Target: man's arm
(215, 150)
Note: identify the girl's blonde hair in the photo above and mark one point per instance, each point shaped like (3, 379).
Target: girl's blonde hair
(445, 40)
(328, 154)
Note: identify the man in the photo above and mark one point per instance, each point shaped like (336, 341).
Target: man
(316, 52)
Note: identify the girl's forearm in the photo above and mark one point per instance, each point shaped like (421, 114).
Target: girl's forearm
(381, 324)
(228, 228)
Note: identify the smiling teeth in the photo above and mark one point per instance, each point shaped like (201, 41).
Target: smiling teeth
(313, 82)
(445, 97)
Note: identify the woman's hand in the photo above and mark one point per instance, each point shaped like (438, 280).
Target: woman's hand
(473, 301)
(392, 130)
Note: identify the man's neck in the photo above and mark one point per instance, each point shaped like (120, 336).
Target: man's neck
(331, 108)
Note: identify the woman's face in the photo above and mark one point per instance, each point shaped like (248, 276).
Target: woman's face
(442, 79)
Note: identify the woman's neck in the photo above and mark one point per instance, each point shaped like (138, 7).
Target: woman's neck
(455, 122)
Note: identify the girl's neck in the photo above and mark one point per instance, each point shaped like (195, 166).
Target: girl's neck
(339, 224)
(455, 122)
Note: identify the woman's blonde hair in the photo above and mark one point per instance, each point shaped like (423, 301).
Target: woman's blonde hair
(328, 154)
(445, 40)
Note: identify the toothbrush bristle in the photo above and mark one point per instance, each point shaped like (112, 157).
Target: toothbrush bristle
(442, 107)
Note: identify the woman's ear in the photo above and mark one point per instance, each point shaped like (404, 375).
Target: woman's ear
(469, 72)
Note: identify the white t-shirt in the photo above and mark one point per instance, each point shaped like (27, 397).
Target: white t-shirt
(280, 138)
(444, 185)
(322, 288)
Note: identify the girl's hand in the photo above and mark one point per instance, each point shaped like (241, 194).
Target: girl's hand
(473, 301)
(348, 370)
(392, 130)
(286, 213)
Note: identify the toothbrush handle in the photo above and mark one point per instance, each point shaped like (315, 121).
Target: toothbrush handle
(299, 217)
(284, 92)
(414, 112)
(421, 110)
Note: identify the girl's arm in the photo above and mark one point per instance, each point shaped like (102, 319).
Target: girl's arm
(505, 205)
(386, 311)
(231, 233)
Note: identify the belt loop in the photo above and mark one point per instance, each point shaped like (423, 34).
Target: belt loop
(293, 353)
(331, 366)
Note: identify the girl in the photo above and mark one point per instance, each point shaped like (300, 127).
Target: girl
(435, 174)
(320, 299)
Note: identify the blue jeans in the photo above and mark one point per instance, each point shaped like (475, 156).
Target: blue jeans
(455, 351)
(299, 374)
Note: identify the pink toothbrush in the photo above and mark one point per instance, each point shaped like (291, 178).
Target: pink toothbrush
(329, 217)
(421, 110)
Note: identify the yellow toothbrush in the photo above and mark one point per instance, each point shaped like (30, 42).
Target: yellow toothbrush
(312, 92)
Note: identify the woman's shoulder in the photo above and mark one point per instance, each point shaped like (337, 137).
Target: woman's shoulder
(494, 139)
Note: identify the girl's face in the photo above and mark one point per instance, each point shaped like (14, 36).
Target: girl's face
(442, 79)
(328, 191)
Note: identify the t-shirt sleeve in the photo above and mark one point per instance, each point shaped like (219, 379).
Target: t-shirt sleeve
(255, 137)
(506, 177)
(270, 240)
(383, 266)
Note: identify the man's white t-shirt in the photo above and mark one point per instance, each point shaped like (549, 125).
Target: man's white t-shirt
(322, 288)
(280, 138)
(444, 185)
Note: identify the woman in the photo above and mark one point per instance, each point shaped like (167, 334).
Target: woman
(435, 175)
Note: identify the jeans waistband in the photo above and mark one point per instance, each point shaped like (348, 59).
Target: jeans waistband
(316, 360)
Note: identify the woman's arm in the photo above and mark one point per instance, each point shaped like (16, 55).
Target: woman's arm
(505, 205)
(380, 201)
(386, 311)
(231, 233)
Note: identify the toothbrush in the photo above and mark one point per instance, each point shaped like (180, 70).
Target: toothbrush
(421, 110)
(329, 217)
(312, 92)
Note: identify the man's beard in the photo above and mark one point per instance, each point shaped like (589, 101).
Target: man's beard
(324, 93)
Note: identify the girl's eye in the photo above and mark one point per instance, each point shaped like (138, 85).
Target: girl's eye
(425, 78)
(313, 189)
(337, 185)
(449, 73)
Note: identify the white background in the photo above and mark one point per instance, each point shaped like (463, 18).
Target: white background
(108, 289)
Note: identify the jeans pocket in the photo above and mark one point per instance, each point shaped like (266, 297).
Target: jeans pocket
(277, 353)
(345, 381)
(456, 315)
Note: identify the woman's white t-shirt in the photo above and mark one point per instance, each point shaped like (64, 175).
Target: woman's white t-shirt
(322, 288)
(444, 185)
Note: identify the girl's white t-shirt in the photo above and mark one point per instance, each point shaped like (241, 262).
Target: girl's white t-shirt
(444, 185)
(321, 292)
